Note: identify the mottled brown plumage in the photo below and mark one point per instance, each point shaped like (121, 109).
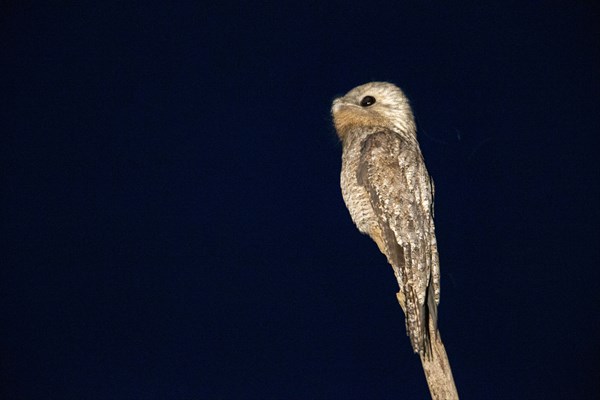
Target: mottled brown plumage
(389, 194)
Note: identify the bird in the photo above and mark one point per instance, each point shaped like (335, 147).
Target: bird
(390, 196)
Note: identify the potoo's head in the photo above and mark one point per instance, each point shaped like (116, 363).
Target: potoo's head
(374, 104)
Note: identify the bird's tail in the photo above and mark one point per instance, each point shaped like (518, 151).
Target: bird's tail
(429, 329)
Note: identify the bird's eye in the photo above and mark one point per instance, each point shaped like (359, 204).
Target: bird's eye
(367, 101)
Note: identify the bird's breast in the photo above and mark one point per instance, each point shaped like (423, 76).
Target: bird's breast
(355, 195)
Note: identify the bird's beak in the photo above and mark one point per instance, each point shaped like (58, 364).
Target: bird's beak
(337, 104)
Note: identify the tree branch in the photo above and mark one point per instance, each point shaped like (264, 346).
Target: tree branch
(436, 365)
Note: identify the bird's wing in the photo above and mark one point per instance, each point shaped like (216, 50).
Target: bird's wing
(394, 174)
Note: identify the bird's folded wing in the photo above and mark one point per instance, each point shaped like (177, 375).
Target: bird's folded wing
(393, 173)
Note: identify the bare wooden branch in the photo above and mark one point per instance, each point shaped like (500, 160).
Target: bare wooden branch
(436, 365)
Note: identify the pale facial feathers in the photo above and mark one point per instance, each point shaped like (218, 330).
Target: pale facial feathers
(375, 104)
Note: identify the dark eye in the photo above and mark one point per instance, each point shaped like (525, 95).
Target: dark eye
(367, 101)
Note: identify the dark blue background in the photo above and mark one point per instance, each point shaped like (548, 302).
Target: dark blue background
(172, 223)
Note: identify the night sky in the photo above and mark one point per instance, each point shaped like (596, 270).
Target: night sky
(172, 222)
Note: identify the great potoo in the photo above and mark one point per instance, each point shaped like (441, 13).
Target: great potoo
(389, 194)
